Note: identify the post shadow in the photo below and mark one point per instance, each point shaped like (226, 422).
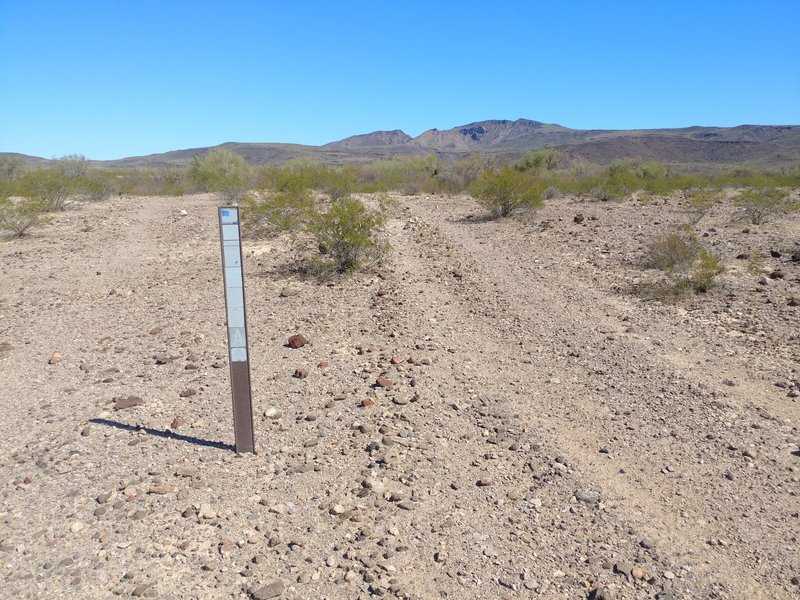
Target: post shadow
(164, 434)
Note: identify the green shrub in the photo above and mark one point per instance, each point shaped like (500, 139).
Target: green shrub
(49, 188)
(11, 168)
(72, 166)
(269, 213)
(700, 201)
(19, 216)
(704, 275)
(689, 265)
(346, 235)
(673, 252)
(221, 171)
(503, 191)
(760, 203)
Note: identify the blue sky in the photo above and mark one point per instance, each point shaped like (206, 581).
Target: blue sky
(120, 78)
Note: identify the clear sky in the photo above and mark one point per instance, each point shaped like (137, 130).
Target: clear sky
(117, 78)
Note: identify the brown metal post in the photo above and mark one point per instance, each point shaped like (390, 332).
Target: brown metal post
(236, 318)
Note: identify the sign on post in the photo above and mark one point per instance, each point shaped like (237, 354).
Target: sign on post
(238, 354)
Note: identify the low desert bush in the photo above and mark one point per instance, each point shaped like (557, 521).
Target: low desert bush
(685, 261)
(760, 203)
(342, 233)
(346, 235)
(221, 171)
(49, 188)
(506, 190)
(19, 216)
(700, 201)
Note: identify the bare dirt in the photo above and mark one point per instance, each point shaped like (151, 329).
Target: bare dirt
(548, 433)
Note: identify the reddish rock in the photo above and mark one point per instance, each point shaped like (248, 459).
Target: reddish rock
(300, 373)
(121, 403)
(367, 402)
(177, 422)
(381, 292)
(777, 274)
(188, 392)
(155, 331)
(413, 359)
(6, 347)
(191, 367)
(485, 482)
(324, 365)
(384, 383)
(397, 359)
(296, 341)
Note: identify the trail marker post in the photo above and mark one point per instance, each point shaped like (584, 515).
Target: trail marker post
(238, 353)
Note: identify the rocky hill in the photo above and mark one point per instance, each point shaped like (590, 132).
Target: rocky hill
(755, 144)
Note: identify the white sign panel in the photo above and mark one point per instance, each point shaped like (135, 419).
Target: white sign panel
(234, 283)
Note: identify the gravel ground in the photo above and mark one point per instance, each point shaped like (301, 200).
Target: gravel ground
(541, 428)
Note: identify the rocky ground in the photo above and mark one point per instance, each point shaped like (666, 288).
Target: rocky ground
(543, 429)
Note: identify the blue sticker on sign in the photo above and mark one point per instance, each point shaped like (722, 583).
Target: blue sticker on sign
(226, 213)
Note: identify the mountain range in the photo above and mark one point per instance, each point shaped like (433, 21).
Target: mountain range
(768, 145)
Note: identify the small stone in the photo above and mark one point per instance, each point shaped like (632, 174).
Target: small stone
(188, 392)
(161, 489)
(623, 568)
(138, 515)
(397, 359)
(367, 402)
(191, 367)
(793, 301)
(384, 383)
(121, 403)
(647, 544)
(485, 481)
(296, 341)
(103, 498)
(579, 218)
(337, 509)
(637, 573)
(777, 274)
(669, 575)
(587, 496)
(273, 413)
(155, 331)
(177, 422)
(6, 347)
(288, 292)
(300, 373)
(605, 450)
(206, 512)
(56, 358)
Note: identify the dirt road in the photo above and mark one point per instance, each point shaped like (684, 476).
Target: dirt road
(548, 433)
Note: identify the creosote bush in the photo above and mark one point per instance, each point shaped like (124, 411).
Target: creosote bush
(341, 232)
(506, 190)
(685, 261)
(221, 171)
(760, 203)
(345, 235)
(20, 216)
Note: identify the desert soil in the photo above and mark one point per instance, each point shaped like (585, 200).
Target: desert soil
(545, 430)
